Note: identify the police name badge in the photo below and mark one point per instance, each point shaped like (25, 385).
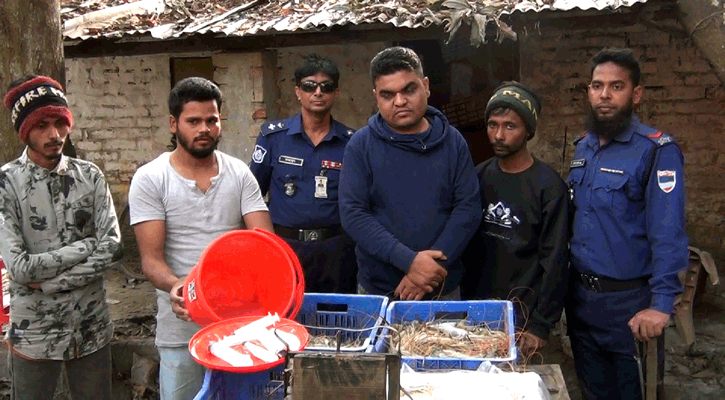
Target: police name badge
(666, 180)
(290, 160)
(321, 187)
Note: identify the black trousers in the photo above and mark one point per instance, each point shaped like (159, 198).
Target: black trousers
(603, 344)
(330, 265)
(89, 377)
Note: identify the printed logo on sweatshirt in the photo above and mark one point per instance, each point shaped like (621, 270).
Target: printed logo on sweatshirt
(500, 215)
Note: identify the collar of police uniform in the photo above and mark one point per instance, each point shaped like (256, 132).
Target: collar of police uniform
(295, 127)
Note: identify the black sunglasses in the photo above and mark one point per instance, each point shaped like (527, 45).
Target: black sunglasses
(311, 86)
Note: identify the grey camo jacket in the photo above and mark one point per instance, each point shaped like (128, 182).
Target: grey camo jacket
(57, 228)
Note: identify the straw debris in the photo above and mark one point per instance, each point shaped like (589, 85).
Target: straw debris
(452, 339)
(330, 341)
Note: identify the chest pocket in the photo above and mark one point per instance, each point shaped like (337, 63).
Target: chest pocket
(574, 181)
(285, 172)
(80, 216)
(618, 193)
(333, 183)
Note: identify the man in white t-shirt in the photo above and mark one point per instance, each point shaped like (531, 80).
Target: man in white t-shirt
(179, 203)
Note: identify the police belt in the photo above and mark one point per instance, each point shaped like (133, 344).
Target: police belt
(308, 235)
(602, 284)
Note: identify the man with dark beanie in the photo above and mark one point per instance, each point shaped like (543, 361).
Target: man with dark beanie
(58, 236)
(408, 192)
(520, 250)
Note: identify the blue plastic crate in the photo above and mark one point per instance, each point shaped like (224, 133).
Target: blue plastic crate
(322, 313)
(222, 385)
(497, 314)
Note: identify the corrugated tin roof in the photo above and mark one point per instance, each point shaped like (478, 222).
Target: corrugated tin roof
(165, 19)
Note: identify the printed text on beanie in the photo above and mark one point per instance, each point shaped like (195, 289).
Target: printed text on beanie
(33, 100)
(518, 99)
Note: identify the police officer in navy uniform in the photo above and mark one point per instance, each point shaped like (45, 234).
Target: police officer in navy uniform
(629, 241)
(298, 161)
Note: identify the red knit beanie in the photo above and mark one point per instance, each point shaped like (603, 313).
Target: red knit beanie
(34, 100)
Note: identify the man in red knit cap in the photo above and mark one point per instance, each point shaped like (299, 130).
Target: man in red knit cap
(58, 236)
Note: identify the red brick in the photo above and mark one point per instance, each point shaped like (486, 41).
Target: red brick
(693, 66)
(661, 107)
(685, 92)
(650, 37)
(702, 79)
(697, 107)
(605, 41)
(657, 93)
(715, 92)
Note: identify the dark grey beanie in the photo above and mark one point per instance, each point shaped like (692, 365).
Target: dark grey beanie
(518, 99)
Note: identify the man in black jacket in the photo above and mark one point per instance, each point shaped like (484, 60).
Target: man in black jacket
(520, 249)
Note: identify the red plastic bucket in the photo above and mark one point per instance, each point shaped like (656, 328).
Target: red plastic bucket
(244, 272)
(299, 273)
(5, 308)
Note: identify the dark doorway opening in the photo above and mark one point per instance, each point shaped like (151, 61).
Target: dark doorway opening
(463, 78)
(187, 67)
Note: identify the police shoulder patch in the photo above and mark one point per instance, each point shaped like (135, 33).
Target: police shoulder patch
(660, 138)
(259, 153)
(582, 136)
(666, 180)
(273, 126)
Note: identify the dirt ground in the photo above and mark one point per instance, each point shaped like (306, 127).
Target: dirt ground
(691, 372)
(130, 301)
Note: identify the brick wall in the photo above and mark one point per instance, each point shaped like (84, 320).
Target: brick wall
(682, 96)
(120, 112)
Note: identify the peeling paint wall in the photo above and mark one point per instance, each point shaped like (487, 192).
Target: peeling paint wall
(356, 102)
(121, 112)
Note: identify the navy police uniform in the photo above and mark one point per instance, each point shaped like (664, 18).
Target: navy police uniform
(302, 181)
(627, 247)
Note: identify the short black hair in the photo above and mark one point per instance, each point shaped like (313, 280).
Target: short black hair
(193, 89)
(315, 63)
(622, 57)
(394, 59)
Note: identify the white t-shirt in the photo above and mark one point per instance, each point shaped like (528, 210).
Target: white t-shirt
(193, 219)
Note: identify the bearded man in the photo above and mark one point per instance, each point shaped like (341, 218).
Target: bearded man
(179, 203)
(628, 240)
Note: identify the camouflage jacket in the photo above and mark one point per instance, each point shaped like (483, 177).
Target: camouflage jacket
(57, 228)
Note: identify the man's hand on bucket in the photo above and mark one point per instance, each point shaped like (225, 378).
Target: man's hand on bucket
(176, 294)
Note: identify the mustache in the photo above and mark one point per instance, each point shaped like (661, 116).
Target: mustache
(204, 136)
